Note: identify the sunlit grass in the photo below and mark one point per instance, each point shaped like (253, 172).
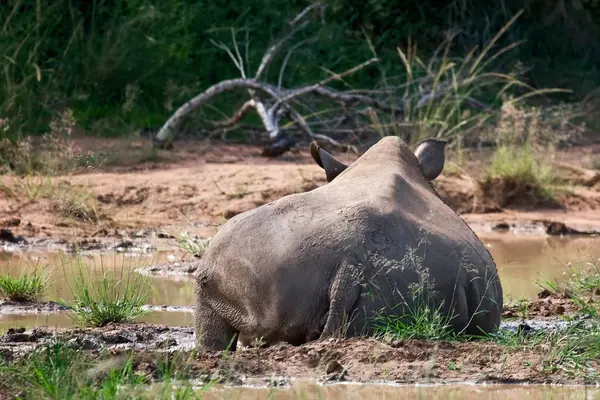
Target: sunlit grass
(110, 300)
(25, 287)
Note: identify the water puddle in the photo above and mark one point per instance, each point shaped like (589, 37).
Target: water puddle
(522, 261)
(311, 390)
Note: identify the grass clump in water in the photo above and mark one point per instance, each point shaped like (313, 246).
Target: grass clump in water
(520, 172)
(25, 287)
(109, 300)
(194, 247)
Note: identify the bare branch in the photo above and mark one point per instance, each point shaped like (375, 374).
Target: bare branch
(306, 11)
(353, 98)
(307, 89)
(306, 129)
(237, 117)
(268, 57)
(165, 132)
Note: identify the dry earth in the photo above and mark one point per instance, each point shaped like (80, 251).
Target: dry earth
(198, 185)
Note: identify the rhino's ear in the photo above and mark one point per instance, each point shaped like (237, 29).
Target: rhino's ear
(326, 161)
(431, 156)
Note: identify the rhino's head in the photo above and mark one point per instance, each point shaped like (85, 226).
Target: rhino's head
(430, 159)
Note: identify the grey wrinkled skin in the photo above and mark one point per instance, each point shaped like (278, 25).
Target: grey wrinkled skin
(325, 262)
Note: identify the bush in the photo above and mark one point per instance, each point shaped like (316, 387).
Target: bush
(124, 66)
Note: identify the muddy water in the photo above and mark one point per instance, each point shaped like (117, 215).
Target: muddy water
(522, 261)
(309, 390)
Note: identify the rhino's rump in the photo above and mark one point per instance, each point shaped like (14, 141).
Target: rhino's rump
(271, 269)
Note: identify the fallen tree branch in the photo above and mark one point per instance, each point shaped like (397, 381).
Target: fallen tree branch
(304, 90)
(164, 135)
(235, 118)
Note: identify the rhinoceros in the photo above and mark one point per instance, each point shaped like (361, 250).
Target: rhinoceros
(331, 260)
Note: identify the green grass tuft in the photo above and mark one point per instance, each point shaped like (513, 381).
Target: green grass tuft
(25, 287)
(519, 164)
(194, 247)
(109, 300)
(419, 322)
(58, 371)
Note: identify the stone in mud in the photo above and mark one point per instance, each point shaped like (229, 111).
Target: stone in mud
(7, 236)
(502, 226)
(84, 343)
(118, 337)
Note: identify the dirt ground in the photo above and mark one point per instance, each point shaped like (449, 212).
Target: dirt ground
(198, 185)
(327, 361)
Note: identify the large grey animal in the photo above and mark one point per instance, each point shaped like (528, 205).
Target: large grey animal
(330, 261)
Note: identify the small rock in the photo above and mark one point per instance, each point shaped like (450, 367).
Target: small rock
(169, 342)
(126, 244)
(164, 235)
(7, 236)
(333, 366)
(84, 343)
(502, 226)
(100, 232)
(116, 337)
(544, 294)
(139, 234)
(228, 214)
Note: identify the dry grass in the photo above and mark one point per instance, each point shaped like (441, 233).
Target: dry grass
(69, 201)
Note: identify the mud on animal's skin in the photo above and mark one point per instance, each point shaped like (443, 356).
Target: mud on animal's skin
(372, 236)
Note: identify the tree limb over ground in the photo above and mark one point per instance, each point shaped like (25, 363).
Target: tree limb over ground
(408, 104)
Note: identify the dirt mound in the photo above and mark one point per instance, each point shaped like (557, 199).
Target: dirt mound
(546, 305)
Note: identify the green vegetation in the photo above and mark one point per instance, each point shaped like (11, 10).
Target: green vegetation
(582, 286)
(25, 287)
(57, 371)
(420, 322)
(121, 299)
(194, 247)
(125, 66)
(520, 172)
(521, 167)
(573, 351)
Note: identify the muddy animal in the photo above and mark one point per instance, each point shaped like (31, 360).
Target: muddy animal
(376, 240)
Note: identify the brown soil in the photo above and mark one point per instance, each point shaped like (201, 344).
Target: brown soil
(330, 360)
(198, 185)
(547, 305)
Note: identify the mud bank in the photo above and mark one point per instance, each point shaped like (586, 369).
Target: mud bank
(330, 360)
(199, 187)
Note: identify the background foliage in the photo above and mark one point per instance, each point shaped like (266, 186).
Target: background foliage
(124, 65)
